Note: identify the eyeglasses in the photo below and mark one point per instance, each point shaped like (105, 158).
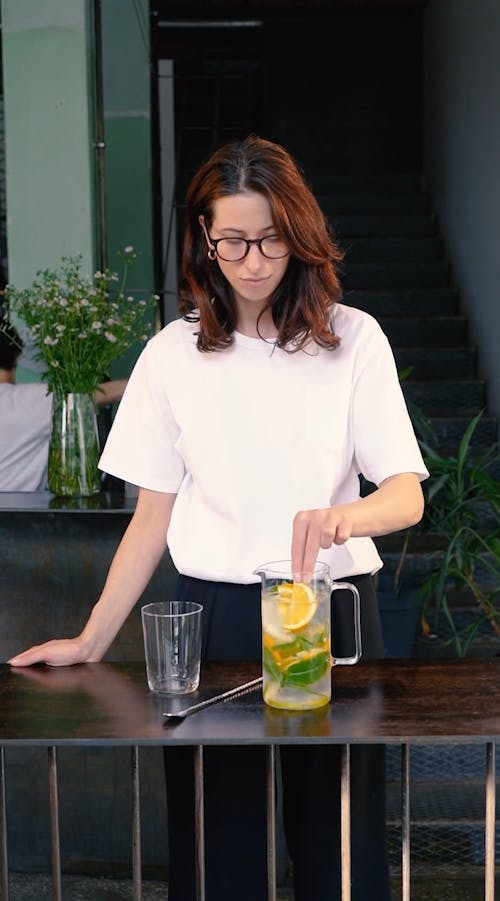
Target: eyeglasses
(232, 250)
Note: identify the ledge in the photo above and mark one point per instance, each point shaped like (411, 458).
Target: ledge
(45, 502)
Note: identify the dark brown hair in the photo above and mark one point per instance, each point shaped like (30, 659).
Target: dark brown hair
(302, 303)
(10, 344)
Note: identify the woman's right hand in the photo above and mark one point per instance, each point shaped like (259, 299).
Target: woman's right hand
(59, 652)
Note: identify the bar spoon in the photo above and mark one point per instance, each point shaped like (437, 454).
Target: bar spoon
(244, 689)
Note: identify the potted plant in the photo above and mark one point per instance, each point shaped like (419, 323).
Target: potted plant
(460, 533)
(463, 509)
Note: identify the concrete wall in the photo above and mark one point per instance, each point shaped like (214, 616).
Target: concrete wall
(127, 132)
(48, 126)
(462, 159)
(48, 73)
(48, 129)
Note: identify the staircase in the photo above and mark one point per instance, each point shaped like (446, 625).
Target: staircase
(396, 269)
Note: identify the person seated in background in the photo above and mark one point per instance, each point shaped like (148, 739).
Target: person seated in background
(25, 419)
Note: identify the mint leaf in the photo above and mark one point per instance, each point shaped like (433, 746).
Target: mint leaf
(270, 664)
(307, 669)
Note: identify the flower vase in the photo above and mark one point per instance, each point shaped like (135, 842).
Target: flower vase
(74, 447)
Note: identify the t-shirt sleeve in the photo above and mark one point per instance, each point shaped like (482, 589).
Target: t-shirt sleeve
(141, 446)
(384, 439)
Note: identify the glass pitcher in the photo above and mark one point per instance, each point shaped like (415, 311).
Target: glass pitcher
(296, 641)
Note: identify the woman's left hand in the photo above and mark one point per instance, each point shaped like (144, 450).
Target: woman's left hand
(315, 529)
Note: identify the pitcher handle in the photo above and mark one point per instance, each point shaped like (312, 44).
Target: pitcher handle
(335, 586)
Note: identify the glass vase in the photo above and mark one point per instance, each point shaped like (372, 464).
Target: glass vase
(74, 447)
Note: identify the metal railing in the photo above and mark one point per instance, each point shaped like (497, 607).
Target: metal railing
(136, 850)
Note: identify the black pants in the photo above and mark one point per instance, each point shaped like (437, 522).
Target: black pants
(235, 778)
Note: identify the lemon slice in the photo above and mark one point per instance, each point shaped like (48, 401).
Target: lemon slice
(274, 696)
(296, 604)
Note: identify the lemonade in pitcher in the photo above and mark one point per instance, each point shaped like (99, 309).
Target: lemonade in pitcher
(296, 655)
(296, 645)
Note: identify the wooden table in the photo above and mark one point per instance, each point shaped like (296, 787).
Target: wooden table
(404, 702)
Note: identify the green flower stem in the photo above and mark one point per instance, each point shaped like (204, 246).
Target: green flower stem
(74, 447)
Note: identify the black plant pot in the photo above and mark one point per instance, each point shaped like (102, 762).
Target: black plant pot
(400, 614)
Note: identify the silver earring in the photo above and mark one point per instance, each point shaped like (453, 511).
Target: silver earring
(212, 254)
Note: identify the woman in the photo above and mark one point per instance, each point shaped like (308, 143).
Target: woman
(246, 424)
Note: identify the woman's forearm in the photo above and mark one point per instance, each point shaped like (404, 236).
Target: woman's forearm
(135, 561)
(396, 504)
(110, 392)
(137, 557)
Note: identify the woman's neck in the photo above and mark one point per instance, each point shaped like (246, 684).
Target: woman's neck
(250, 325)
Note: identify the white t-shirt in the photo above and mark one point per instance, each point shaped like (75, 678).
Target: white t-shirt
(250, 435)
(25, 424)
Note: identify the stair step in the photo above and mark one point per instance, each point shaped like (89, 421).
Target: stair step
(450, 429)
(417, 561)
(361, 250)
(437, 362)
(390, 183)
(378, 204)
(382, 226)
(436, 331)
(436, 398)
(430, 302)
(432, 274)
(478, 452)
